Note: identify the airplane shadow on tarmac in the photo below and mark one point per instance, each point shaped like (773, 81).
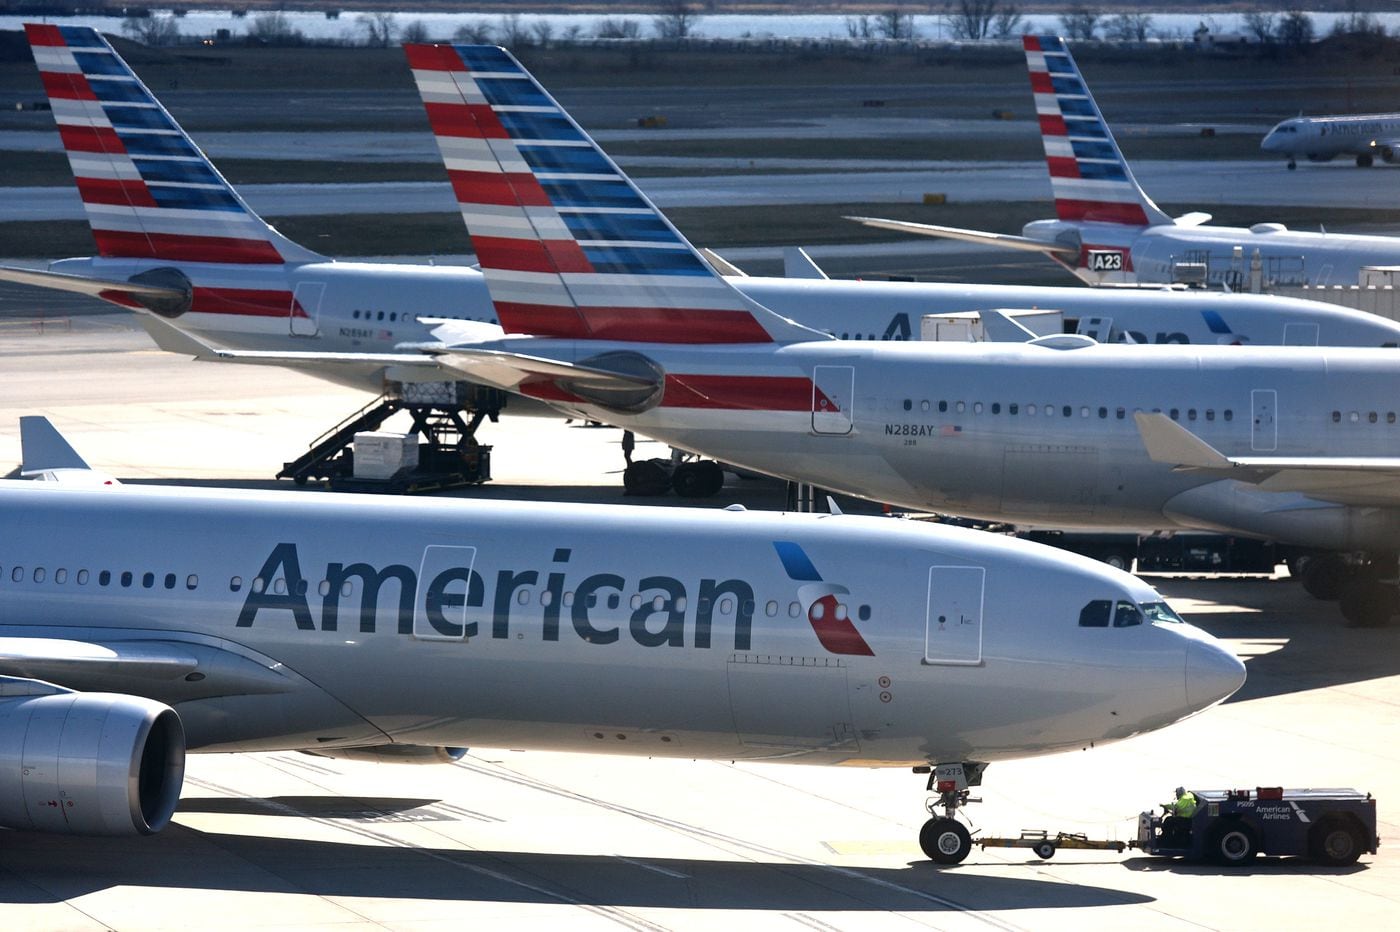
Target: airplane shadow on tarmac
(39, 869)
(1290, 642)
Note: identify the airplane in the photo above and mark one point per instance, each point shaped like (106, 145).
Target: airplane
(1367, 136)
(391, 630)
(1108, 231)
(249, 295)
(613, 316)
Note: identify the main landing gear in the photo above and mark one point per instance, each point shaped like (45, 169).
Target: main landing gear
(1366, 587)
(944, 839)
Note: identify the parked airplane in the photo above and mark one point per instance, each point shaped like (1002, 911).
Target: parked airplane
(1368, 136)
(1296, 445)
(175, 239)
(1108, 231)
(356, 627)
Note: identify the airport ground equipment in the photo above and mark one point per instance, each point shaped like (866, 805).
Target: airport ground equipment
(1330, 826)
(1045, 846)
(445, 416)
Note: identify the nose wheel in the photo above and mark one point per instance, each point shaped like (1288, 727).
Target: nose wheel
(943, 838)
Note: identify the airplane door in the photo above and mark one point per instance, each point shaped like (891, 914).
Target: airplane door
(1263, 428)
(444, 583)
(833, 399)
(1300, 334)
(306, 309)
(953, 628)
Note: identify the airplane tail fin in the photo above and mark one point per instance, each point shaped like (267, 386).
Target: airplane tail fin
(1088, 174)
(149, 192)
(568, 244)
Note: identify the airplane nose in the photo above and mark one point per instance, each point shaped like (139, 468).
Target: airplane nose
(1212, 674)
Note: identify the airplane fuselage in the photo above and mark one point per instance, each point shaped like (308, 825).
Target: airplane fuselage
(358, 307)
(1120, 254)
(1032, 434)
(1322, 138)
(313, 620)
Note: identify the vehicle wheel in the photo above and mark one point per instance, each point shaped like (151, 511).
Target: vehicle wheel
(1292, 166)
(1233, 844)
(1044, 850)
(1335, 842)
(1364, 161)
(1324, 575)
(698, 480)
(1366, 603)
(1117, 559)
(945, 841)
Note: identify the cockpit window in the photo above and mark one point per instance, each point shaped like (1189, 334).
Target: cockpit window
(1126, 615)
(1095, 614)
(1161, 612)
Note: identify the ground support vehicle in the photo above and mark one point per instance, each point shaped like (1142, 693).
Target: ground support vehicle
(1331, 826)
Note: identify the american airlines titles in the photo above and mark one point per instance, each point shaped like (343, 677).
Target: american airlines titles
(659, 620)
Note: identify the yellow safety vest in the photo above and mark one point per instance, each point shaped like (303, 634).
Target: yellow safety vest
(1185, 806)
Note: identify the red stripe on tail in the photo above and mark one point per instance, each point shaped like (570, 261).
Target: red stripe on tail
(90, 139)
(127, 193)
(127, 245)
(39, 34)
(1101, 212)
(60, 86)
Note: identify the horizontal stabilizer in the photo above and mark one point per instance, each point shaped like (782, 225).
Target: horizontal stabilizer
(1169, 442)
(1001, 327)
(96, 287)
(1193, 219)
(722, 265)
(1003, 240)
(174, 340)
(797, 264)
(46, 456)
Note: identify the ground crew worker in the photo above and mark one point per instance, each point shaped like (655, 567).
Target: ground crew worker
(1176, 827)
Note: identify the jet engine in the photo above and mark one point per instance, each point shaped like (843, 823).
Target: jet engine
(1388, 153)
(393, 754)
(89, 763)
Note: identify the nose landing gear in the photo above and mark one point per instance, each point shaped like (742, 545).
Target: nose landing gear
(943, 838)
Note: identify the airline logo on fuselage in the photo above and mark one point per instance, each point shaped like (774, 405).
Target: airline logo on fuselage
(660, 611)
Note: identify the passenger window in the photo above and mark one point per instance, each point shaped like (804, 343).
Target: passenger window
(170, 580)
(105, 578)
(1013, 409)
(1126, 615)
(923, 405)
(770, 609)
(726, 606)
(126, 579)
(1229, 414)
(1095, 614)
(82, 577)
(636, 602)
(864, 613)
(1103, 413)
(977, 407)
(1031, 409)
(942, 407)
(961, 406)
(523, 597)
(1372, 417)
(279, 586)
(192, 581)
(996, 407)
(1336, 417)
(259, 584)
(17, 574)
(1067, 411)
(1120, 414)
(39, 574)
(908, 404)
(148, 580)
(235, 584)
(1210, 414)
(1190, 414)
(794, 609)
(60, 576)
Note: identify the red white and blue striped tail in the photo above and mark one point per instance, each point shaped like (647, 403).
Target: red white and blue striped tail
(1088, 174)
(569, 246)
(148, 191)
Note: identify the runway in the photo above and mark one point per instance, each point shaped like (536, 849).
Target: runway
(526, 840)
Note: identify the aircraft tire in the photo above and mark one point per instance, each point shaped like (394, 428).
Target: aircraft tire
(698, 480)
(1364, 161)
(945, 841)
(1324, 576)
(1292, 165)
(1367, 603)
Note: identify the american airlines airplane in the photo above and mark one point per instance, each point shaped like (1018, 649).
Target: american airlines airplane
(1368, 136)
(618, 319)
(1108, 231)
(346, 626)
(176, 242)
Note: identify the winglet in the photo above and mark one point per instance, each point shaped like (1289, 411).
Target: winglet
(797, 264)
(1169, 442)
(174, 340)
(46, 456)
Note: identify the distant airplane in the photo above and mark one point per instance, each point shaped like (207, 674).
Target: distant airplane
(615, 317)
(366, 627)
(176, 242)
(1108, 231)
(1368, 136)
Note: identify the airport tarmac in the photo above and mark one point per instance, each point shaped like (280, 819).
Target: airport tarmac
(1201, 184)
(535, 840)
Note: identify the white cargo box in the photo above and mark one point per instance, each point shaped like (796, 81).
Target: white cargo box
(383, 455)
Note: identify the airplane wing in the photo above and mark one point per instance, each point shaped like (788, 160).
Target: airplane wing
(1345, 480)
(47, 457)
(174, 340)
(509, 370)
(165, 668)
(96, 287)
(1023, 243)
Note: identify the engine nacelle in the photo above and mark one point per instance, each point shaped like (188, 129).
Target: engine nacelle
(1388, 154)
(89, 763)
(393, 754)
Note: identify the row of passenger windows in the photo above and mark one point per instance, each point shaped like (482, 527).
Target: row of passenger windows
(612, 600)
(126, 579)
(393, 316)
(1354, 417)
(1032, 410)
